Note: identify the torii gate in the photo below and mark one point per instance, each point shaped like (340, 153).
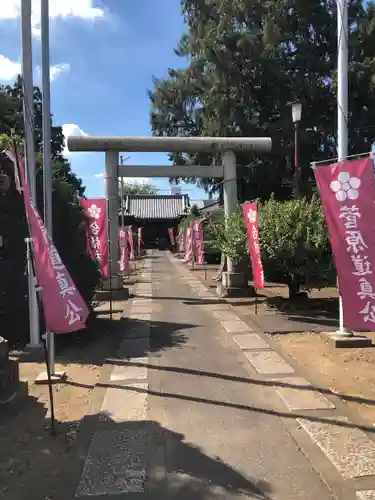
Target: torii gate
(112, 146)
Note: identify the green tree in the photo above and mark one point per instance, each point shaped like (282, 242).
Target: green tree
(146, 189)
(244, 62)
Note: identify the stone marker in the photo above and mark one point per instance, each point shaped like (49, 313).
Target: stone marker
(9, 373)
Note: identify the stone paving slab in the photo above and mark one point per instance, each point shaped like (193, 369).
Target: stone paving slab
(129, 372)
(225, 316)
(366, 495)
(115, 464)
(268, 363)
(350, 450)
(141, 309)
(137, 329)
(217, 307)
(140, 316)
(235, 326)
(250, 341)
(126, 403)
(301, 395)
(134, 347)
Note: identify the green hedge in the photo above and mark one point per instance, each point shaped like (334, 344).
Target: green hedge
(294, 241)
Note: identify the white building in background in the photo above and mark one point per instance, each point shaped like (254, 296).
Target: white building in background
(174, 189)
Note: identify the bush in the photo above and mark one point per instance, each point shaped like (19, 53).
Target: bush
(293, 238)
(227, 235)
(294, 243)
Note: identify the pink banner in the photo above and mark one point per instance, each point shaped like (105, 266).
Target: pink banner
(131, 242)
(124, 251)
(181, 241)
(64, 309)
(347, 191)
(199, 241)
(171, 236)
(140, 241)
(95, 210)
(189, 245)
(250, 213)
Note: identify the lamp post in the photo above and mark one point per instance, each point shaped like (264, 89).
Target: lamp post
(296, 117)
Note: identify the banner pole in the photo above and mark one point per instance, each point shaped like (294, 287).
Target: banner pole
(109, 260)
(45, 349)
(342, 113)
(49, 379)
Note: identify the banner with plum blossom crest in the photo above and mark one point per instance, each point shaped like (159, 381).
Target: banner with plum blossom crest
(64, 309)
(96, 232)
(347, 191)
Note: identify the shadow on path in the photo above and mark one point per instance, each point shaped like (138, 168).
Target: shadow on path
(175, 468)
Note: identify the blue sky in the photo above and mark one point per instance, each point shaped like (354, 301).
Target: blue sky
(103, 55)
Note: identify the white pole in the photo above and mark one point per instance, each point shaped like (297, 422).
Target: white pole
(342, 108)
(28, 117)
(47, 167)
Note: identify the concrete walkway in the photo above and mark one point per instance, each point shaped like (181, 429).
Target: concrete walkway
(198, 406)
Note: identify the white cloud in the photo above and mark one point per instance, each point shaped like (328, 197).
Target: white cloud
(137, 181)
(99, 176)
(54, 71)
(70, 129)
(57, 69)
(58, 9)
(8, 69)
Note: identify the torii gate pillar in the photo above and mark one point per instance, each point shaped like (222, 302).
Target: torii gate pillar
(229, 190)
(112, 198)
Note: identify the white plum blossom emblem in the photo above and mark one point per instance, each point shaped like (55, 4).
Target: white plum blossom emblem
(252, 216)
(94, 212)
(345, 187)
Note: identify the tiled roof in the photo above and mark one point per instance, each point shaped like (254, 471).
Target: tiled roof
(156, 206)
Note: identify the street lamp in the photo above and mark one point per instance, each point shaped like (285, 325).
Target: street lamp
(296, 117)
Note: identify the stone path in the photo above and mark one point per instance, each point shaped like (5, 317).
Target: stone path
(198, 405)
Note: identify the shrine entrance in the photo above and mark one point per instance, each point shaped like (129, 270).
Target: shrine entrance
(227, 147)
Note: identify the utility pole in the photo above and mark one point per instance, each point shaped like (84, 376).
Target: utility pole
(28, 118)
(122, 161)
(122, 195)
(342, 106)
(47, 167)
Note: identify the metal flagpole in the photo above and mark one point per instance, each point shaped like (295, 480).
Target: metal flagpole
(47, 167)
(342, 110)
(28, 117)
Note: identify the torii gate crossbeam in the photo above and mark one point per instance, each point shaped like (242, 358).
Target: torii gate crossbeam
(112, 146)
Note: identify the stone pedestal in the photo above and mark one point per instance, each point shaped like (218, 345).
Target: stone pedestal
(235, 285)
(234, 280)
(9, 373)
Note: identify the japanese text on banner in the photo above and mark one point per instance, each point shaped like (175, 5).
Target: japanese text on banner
(347, 191)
